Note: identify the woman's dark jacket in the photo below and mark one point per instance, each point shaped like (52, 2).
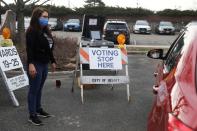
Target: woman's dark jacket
(38, 49)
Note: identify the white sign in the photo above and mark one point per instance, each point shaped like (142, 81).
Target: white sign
(104, 79)
(92, 21)
(17, 82)
(9, 58)
(105, 58)
(95, 35)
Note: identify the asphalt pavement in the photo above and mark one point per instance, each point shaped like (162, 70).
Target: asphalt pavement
(104, 109)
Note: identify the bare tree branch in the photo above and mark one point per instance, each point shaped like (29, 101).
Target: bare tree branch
(33, 2)
(36, 1)
(7, 5)
(44, 2)
(15, 1)
(26, 1)
(4, 3)
(29, 6)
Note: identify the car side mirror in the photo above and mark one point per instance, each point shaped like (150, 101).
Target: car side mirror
(155, 54)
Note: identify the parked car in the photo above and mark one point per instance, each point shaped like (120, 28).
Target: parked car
(59, 25)
(165, 27)
(52, 23)
(72, 25)
(55, 24)
(112, 28)
(175, 104)
(26, 23)
(142, 26)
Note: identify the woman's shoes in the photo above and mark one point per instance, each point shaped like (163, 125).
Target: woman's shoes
(35, 120)
(43, 113)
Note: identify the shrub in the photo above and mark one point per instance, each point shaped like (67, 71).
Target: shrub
(65, 48)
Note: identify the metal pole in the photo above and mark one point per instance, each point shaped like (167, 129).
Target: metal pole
(128, 90)
(0, 12)
(81, 75)
(68, 3)
(137, 4)
(76, 68)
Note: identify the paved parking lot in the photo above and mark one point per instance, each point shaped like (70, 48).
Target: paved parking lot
(104, 109)
(136, 39)
(153, 39)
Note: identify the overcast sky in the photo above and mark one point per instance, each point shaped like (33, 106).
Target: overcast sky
(154, 5)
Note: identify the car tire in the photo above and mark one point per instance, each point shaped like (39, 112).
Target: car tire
(128, 41)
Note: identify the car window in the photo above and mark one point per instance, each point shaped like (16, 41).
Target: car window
(141, 23)
(165, 24)
(112, 26)
(173, 44)
(174, 54)
(73, 21)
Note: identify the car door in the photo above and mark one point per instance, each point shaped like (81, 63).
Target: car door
(164, 81)
(165, 67)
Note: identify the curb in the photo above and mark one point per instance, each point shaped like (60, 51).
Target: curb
(59, 73)
(143, 49)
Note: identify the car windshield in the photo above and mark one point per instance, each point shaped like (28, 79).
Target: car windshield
(165, 24)
(52, 21)
(114, 26)
(73, 21)
(142, 23)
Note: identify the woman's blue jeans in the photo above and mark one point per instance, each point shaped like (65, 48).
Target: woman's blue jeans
(35, 87)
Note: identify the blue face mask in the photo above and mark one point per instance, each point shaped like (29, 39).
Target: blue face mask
(43, 21)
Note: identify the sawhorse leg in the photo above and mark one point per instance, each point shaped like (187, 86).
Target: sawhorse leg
(128, 90)
(76, 67)
(13, 98)
(128, 93)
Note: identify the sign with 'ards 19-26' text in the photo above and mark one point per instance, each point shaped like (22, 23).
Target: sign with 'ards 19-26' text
(9, 58)
(105, 58)
(11, 69)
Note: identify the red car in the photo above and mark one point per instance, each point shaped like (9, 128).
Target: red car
(175, 89)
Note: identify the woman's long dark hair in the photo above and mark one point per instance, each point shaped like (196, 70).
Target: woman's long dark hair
(34, 22)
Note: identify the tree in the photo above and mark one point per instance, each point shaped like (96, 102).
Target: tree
(94, 3)
(20, 6)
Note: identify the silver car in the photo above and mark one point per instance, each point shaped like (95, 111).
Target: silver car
(142, 26)
(165, 27)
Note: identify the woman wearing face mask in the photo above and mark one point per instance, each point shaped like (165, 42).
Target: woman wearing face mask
(39, 45)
